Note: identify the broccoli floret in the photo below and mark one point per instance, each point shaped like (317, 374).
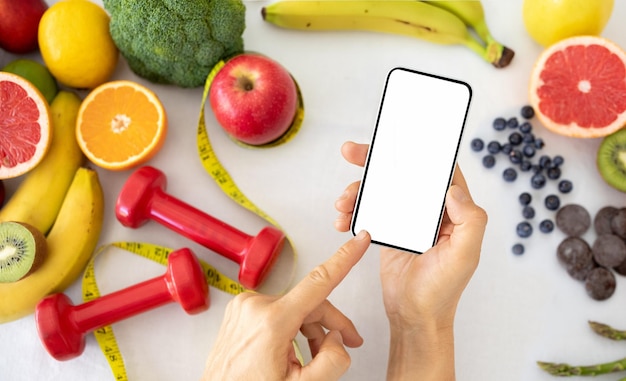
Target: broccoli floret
(176, 41)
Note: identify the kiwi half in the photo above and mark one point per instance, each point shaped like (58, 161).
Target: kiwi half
(22, 250)
(611, 159)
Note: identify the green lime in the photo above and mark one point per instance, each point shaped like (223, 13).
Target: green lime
(37, 74)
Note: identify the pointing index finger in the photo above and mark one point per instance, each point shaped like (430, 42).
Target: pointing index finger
(311, 291)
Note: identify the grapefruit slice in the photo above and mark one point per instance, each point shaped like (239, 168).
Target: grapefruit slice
(578, 87)
(24, 126)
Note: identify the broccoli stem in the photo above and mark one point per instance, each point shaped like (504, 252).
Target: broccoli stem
(607, 331)
(564, 370)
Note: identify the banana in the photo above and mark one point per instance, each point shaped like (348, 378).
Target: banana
(409, 18)
(71, 243)
(39, 196)
(473, 15)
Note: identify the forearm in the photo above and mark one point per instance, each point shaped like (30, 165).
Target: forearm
(424, 355)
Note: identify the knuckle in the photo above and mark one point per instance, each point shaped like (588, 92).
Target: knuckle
(320, 275)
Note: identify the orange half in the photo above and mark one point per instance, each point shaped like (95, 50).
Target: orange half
(121, 124)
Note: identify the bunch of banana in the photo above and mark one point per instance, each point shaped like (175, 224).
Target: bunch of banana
(71, 243)
(62, 198)
(443, 22)
(39, 196)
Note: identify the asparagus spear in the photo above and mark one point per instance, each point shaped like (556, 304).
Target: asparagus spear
(607, 331)
(561, 369)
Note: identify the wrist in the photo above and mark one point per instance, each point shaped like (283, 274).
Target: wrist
(424, 353)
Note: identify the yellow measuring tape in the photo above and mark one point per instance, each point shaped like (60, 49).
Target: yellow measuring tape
(105, 336)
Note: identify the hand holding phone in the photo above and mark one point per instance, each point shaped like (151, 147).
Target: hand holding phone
(411, 159)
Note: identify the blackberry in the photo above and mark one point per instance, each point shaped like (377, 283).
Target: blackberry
(477, 144)
(518, 249)
(524, 229)
(565, 186)
(499, 124)
(527, 112)
(489, 161)
(525, 198)
(546, 226)
(509, 175)
(552, 202)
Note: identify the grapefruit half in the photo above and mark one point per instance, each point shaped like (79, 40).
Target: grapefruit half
(24, 126)
(578, 87)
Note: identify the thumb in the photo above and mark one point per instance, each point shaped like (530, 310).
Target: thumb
(331, 362)
(469, 219)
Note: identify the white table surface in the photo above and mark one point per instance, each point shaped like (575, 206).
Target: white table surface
(515, 311)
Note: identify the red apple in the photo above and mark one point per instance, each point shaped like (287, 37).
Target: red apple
(19, 24)
(254, 98)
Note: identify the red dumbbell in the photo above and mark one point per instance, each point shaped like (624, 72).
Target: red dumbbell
(143, 198)
(62, 326)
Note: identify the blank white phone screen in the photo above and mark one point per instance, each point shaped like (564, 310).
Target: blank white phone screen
(411, 159)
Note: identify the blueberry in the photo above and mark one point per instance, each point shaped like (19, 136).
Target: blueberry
(539, 144)
(552, 202)
(494, 147)
(525, 127)
(489, 161)
(536, 168)
(518, 249)
(528, 138)
(507, 148)
(546, 226)
(528, 212)
(477, 144)
(516, 156)
(538, 181)
(499, 124)
(565, 186)
(525, 198)
(527, 112)
(528, 150)
(525, 166)
(512, 122)
(524, 229)
(545, 161)
(515, 138)
(557, 161)
(553, 173)
(509, 174)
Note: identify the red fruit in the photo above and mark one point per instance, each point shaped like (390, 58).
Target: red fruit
(578, 87)
(254, 98)
(19, 23)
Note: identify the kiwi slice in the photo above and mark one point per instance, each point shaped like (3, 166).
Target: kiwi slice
(22, 250)
(611, 159)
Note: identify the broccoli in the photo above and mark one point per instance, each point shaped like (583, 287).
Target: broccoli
(176, 41)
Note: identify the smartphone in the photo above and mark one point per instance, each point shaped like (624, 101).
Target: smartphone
(411, 159)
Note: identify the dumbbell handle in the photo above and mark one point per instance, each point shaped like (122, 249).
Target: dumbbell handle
(122, 304)
(199, 226)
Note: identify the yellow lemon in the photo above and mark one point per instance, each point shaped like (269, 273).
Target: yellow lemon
(76, 45)
(549, 21)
